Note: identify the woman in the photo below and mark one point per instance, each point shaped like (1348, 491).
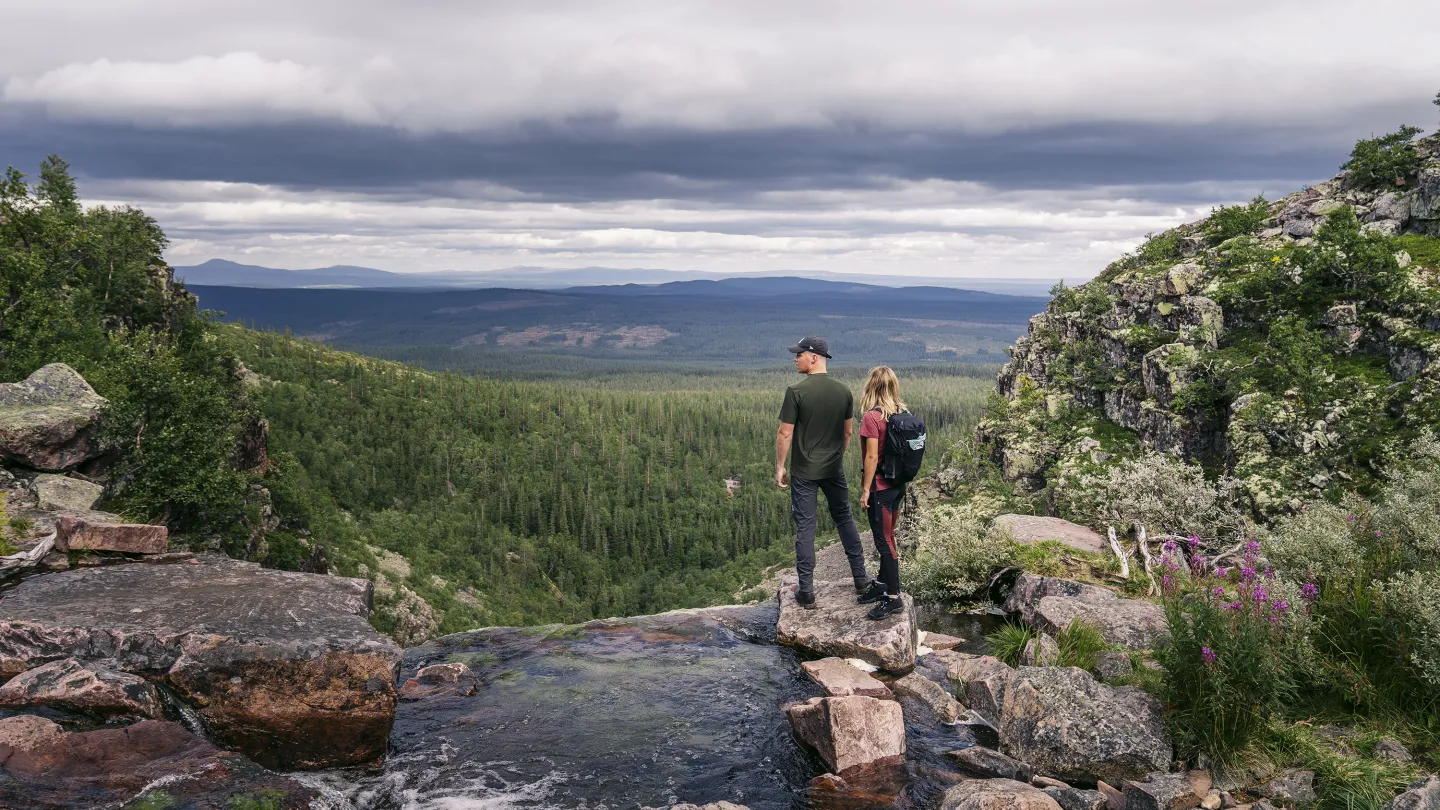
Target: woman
(880, 498)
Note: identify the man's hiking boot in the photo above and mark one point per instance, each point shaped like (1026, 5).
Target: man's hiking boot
(863, 585)
(805, 599)
(888, 606)
(874, 593)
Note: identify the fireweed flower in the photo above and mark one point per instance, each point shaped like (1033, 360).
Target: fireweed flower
(1280, 606)
(1269, 573)
(1252, 549)
(1261, 595)
(1350, 518)
(1165, 580)
(1223, 573)
(1170, 545)
(1208, 655)
(1247, 574)
(1218, 592)
(1309, 592)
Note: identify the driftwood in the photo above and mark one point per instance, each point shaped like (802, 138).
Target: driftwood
(30, 557)
(1144, 544)
(1119, 552)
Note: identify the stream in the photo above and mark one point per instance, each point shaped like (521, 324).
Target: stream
(620, 714)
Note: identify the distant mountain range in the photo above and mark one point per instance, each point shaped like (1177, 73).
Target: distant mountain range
(222, 273)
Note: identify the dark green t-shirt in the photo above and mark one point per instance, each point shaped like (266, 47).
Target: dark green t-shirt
(817, 406)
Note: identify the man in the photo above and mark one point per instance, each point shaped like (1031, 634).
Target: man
(816, 423)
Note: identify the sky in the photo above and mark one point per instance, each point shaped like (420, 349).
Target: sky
(1028, 139)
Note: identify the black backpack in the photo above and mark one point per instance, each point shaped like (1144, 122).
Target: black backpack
(904, 448)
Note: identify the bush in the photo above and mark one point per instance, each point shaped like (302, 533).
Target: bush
(1412, 602)
(1165, 495)
(954, 555)
(1237, 643)
(1230, 221)
(1314, 541)
(1385, 162)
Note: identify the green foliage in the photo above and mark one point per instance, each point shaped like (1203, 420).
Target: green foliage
(259, 800)
(1424, 249)
(1230, 221)
(1164, 494)
(1159, 248)
(1385, 162)
(1343, 781)
(152, 800)
(954, 556)
(1080, 644)
(1008, 643)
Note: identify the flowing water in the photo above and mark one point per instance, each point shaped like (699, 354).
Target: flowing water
(680, 707)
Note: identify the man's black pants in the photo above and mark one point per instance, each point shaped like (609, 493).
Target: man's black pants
(804, 499)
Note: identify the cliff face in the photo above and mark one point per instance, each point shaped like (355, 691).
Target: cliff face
(1290, 344)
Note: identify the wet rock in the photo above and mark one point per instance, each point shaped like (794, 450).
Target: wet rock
(1161, 791)
(941, 642)
(1043, 782)
(710, 806)
(92, 687)
(837, 627)
(1049, 604)
(62, 492)
(440, 680)
(1112, 665)
(879, 788)
(1070, 798)
(941, 704)
(1041, 651)
(26, 731)
(982, 681)
(1421, 795)
(981, 730)
(282, 666)
(840, 679)
(990, 764)
(1114, 797)
(89, 534)
(996, 794)
(1391, 749)
(850, 732)
(1031, 530)
(47, 421)
(1294, 786)
(153, 761)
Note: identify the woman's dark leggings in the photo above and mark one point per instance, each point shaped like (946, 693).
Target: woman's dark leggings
(884, 508)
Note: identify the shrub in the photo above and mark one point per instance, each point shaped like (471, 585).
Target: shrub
(1385, 162)
(1316, 540)
(1236, 643)
(1412, 602)
(1230, 221)
(1343, 782)
(954, 555)
(1166, 495)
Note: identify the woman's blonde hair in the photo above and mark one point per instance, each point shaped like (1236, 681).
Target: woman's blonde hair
(882, 390)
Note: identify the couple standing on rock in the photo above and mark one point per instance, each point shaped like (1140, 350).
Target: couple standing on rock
(816, 423)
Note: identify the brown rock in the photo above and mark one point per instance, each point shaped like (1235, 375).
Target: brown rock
(47, 421)
(1043, 782)
(996, 794)
(440, 680)
(940, 641)
(839, 679)
(1032, 529)
(1161, 791)
(850, 732)
(941, 704)
(25, 731)
(875, 788)
(79, 534)
(1201, 783)
(836, 626)
(114, 766)
(990, 764)
(93, 687)
(1114, 798)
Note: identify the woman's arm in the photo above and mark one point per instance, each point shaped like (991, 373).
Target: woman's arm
(867, 475)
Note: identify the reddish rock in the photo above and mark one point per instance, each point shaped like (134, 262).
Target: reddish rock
(836, 627)
(26, 731)
(440, 680)
(851, 732)
(940, 641)
(92, 687)
(942, 705)
(877, 788)
(839, 679)
(996, 794)
(79, 534)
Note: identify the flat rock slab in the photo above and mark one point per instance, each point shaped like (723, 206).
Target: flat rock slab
(88, 534)
(940, 642)
(1049, 604)
(839, 679)
(850, 733)
(91, 687)
(63, 492)
(996, 794)
(47, 420)
(282, 666)
(1032, 529)
(837, 627)
(990, 764)
(153, 763)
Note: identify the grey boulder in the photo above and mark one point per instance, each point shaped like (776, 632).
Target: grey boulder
(1161, 791)
(1050, 604)
(65, 493)
(1033, 529)
(996, 794)
(940, 703)
(1070, 798)
(1421, 795)
(836, 626)
(987, 763)
(850, 732)
(47, 421)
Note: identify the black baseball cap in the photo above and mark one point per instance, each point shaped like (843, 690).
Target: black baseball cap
(812, 344)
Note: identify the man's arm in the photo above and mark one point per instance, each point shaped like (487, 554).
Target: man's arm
(782, 449)
(849, 429)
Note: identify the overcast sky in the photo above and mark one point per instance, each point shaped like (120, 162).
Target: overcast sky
(1018, 139)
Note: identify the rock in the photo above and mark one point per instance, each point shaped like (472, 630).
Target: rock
(1212, 801)
(47, 421)
(1070, 798)
(1182, 279)
(1202, 783)
(990, 764)
(1294, 786)
(942, 642)
(1421, 795)
(62, 492)
(837, 627)
(1049, 604)
(940, 703)
(87, 534)
(1031, 530)
(710, 806)
(982, 681)
(441, 680)
(1299, 228)
(282, 666)
(1161, 791)
(92, 687)
(1391, 749)
(1043, 782)
(1114, 798)
(839, 679)
(850, 732)
(25, 731)
(981, 730)
(996, 794)
(153, 763)
(1041, 651)
(882, 788)
(1112, 665)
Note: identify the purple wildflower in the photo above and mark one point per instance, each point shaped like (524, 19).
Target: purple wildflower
(1247, 574)
(1280, 606)
(1252, 550)
(1270, 573)
(1208, 655)
(1218, 592)
(1222, 572)
(1309, 592)
(1378, 533)
(1260, 595)
(1350, 518)
(1169, 545)
(1165, 580)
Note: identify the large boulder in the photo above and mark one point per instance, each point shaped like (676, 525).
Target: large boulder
(996, 794)
(940, 703)
(91, 687)
(153, 763)
(59, 492)
(1050, 604)
(850, 733)
(47, 421)
(282, 666)
(836, 626)
(1422, 795)
(1034, 529)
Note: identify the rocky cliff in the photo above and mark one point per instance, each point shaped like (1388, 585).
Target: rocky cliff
(1292, 344)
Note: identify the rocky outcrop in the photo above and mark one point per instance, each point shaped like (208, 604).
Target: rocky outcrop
(1050, 604)
(840, 679)
(991, 764)
(59, 492)
(47, 421)
(836, 627)
(441, 680)
(996, 794)
(281, 666)
(1064, 722)
(850, 733)
(1032, 529)
(95, 687)
(91, 534)
(152, 764)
